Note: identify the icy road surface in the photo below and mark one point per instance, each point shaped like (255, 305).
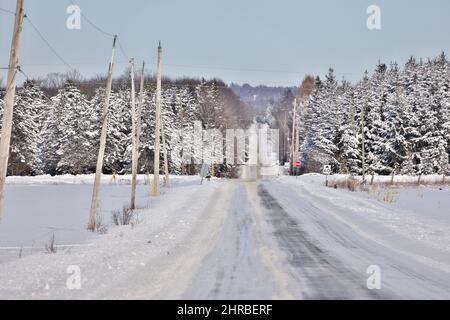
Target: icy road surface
(278, 239)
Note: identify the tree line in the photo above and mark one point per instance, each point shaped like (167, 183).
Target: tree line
(396, 120)
(57, 122)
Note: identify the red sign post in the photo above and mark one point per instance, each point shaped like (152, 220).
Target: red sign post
(298, 165)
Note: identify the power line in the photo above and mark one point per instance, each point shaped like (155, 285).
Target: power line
(19, 69)
(22, 72)
(102, 31)
(256, 69)
(93, 24)
(7, 11)
(168, 65)
(48, 43)
(122, 50)
(13, 78)
(211, 68)
(72, 63)
(52, 48)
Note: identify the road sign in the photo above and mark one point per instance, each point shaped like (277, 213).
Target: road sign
(327, 170)
(298, 164)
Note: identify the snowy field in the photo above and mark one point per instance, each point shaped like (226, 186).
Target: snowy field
(155, 247)
(36, 208)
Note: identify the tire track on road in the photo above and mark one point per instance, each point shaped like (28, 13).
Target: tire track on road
(315, 271)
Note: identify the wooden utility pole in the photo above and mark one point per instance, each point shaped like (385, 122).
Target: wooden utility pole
(157, 149)
(166, 160)
(139, 112)
(101, 152)
(182, 112)
(286, 137)
(363, 145)
(9, 99)
(258, 150)
(297, 137)
(133, 139)
(139, 116)
(294, 119)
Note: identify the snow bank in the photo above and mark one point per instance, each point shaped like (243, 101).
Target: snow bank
(89, 179)
(400, 180)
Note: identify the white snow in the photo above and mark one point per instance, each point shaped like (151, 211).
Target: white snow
(89, 179)
(418, 213)
(36, 208)
(408, 235)
(398, 179)
(164, 227)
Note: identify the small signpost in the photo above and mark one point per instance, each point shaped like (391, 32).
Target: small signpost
(326, 172)
(204, 172)
(298, 165)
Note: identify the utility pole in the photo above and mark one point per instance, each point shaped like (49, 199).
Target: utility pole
(183, 165)
(363, 144)
(140, 107)
(101, 152)
(166, 161)
(258, 149)
(297, 136)
(139, 114)
(294, 119)
(286, 137)
(157, 149)
(133, 138)
(9, 99)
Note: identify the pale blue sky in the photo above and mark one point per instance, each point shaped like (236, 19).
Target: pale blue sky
(259, 42)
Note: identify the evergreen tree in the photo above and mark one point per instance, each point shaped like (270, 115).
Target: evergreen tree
(78, 124)
(327, 123)
(118, 151)
(348, 135)
(148, 132)
(395, 147)
(30, 104)
(54, 129)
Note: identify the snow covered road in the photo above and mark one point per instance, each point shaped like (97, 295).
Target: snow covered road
(290, 239)
(328, 248)
(275, 239)
(236, 268)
